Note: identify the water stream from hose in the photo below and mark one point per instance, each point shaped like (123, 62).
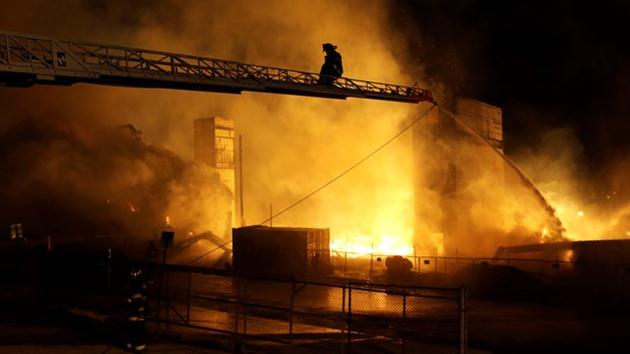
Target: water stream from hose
(557, 230)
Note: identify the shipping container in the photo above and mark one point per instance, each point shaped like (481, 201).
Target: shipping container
(284, 251)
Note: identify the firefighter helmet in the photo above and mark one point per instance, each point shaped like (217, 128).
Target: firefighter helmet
(328, 47)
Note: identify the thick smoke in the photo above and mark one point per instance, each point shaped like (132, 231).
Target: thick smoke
(292, 145)
(565, 115)
(592, 204)
(65, 179)
(471, 196)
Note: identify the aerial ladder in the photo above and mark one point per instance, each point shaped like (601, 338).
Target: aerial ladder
(27, 60)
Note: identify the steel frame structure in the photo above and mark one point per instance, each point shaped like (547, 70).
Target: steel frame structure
(27, 59)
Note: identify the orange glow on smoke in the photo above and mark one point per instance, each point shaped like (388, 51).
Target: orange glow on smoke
(379, 224)
(357, 245)
(588, 222)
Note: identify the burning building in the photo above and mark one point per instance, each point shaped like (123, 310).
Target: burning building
(486, 120)
(214, 147)
(443, 224)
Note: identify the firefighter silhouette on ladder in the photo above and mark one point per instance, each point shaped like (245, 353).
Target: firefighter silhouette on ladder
(332, 69)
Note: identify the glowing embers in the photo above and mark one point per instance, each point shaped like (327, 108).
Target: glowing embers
(358, 245)
(132, 208)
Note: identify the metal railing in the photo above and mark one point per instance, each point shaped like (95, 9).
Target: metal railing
(66, 62)
(282, 309)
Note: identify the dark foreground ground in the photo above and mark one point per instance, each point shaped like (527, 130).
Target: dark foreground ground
(495, 327)
(29, 330)
(574, 322)
(503, 327)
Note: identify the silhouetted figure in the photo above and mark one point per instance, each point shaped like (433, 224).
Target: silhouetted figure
(136, 311)
(332, 69)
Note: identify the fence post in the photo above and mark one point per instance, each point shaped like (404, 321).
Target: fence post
(343, 307)
(238, 290)
(463, 320)
(343, 317)
(371, 266)
(404, 315)
(349, 332)
(445, 271)
(168, 303)
(292, 303)
(189, 296)
(345, 264)
(245, 311)
(110, 291)
(415, 258)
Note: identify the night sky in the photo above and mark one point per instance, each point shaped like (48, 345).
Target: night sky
(548, 64)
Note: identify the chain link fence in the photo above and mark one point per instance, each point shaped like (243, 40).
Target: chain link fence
(283, 309)
(408, 313)
(443, 270)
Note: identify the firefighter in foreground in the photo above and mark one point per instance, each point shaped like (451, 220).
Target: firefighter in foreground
(136, 310)
(332, 69)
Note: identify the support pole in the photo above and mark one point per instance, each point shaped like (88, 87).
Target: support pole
(371, 265)
(168, 303)
(445, 271)
(343, 315)
(343, 307)
(404, 316)
(292, 307)
(349, 331)
(345, 264)
(240, 179)
(110, 291)
(415, 259)
(245, 310)
(463, 320)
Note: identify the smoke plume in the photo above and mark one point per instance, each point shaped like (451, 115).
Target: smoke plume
(65, 179)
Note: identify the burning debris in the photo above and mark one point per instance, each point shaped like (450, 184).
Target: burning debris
(69, 180)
